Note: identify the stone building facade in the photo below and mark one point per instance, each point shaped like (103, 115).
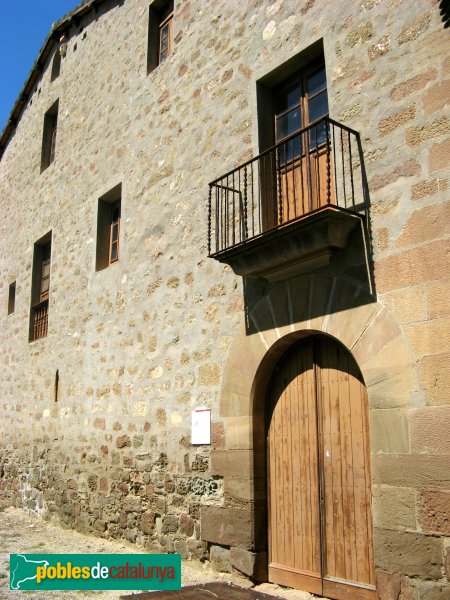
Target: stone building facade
(96, 407)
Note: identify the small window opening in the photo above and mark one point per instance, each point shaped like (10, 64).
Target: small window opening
(108, 228)
(49, 136)
(160, 33)
(56, 385)
(11, 298)
(40, 288)
(56, 65)
(165, 33)
(114, 232)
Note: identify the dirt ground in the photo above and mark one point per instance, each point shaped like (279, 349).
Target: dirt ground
(21, 532)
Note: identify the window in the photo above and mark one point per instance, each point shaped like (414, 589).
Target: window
(11, 298)
(114, 233)
(56, 65)
(292, 106)
(165, 33)
(301, 101)
(160, 33)
(40, 287)
(49, 136)
(108, 228)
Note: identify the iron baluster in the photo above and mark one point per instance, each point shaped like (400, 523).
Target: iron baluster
(328, 163)
(336, 190)
(245, 204)
(209, 219)
(351, 168)
(280, 195)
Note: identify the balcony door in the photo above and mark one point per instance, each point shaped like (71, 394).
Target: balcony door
(318, 459)
(303, 156)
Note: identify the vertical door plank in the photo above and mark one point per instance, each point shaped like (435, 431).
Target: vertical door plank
(295, 188)
(294, 535)
(361, 476)
(330, 479)
(368, 482)
(278, 442)
(350, 572)
(348, 527)
(310, 449)
(297, 483)
(335, 554)
(287, 464)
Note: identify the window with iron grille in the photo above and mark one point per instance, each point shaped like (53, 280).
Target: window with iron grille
(49, 136)
(40, 288)
(160, 33)
(108, 228)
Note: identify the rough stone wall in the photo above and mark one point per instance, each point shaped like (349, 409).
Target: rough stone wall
(143, 342)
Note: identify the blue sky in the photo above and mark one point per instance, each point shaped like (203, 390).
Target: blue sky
(24, 25)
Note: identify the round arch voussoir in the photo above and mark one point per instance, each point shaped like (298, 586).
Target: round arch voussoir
(290, 312)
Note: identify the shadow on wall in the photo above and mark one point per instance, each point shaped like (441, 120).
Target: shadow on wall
(444, 10)
(346, 283)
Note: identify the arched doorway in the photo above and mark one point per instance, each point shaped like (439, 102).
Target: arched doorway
(318, 469)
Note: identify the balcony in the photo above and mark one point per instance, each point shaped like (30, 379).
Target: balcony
(290, 208)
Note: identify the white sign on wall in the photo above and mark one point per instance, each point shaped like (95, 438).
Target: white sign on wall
(201, 426)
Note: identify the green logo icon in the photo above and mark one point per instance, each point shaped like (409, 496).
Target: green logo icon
(95, 571)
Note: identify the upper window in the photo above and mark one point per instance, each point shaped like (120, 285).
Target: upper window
(165, 33)
(49, 136)
(114, 232)
(56, 65)
(300, 102)
(11, 298)
(292, 111)
(160, 32)
(108, 228)
(40, 287)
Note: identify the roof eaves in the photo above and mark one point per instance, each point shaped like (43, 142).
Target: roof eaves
(55, 32)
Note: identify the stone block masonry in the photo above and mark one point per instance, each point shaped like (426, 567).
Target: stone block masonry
(137, 497)
(140, 344)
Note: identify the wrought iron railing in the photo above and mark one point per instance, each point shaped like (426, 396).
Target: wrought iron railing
(319, 166)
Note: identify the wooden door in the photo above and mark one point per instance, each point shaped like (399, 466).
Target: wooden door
(304, 180)
(319, 509)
